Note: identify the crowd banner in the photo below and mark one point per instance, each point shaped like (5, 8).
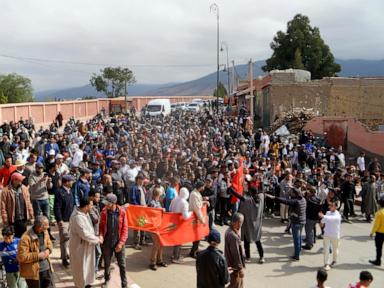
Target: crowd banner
(171, 228)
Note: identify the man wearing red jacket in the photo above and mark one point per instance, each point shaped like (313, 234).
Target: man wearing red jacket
(113, 234)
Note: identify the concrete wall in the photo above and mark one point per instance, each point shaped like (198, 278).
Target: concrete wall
(283, 97)
(362, 98)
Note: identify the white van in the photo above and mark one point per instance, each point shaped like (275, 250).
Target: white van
(157, 107)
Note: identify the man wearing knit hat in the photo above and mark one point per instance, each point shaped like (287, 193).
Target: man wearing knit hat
(211, 266)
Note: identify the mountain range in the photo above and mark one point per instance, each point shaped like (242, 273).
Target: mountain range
(206, 84)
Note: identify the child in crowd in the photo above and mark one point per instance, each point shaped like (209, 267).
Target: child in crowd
(321, 277)
(8, 251)
(366, 279)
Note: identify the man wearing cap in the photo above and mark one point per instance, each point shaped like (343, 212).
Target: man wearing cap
(82, 186)
(62, 168)
(113, 234)
(16, 206)
(211, 266)
(20, 168)
(63, 208)
(52, 145)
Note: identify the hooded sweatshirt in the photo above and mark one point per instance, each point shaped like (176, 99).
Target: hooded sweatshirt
(180, 203)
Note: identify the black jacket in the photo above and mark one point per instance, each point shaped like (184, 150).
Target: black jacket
(212, 270)
(210, 193)
(63, 206)
(299, 206)
(313, 208)
(348, 190)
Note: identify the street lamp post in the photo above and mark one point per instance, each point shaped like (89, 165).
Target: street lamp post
(214, 8)
(224, 44)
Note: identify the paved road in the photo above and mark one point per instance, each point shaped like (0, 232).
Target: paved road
(355, 250)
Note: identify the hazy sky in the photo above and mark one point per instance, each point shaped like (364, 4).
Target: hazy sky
(168, 40)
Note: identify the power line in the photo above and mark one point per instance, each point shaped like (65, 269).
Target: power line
(58, 61)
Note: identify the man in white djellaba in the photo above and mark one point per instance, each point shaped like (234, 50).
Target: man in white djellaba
(82, 242)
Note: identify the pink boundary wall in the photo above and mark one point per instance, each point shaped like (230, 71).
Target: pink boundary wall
(43, 113)
(357, 135)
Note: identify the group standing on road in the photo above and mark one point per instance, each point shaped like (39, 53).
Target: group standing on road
(80, 177)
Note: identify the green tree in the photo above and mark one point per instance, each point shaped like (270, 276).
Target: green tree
(15, 88)
(221, 89)
(302, 47)
(113, 81)
(3, 98)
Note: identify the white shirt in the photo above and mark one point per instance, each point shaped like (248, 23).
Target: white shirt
(361, 163)
(131, 174)
(341, 159)
(77, 157)
(332, 221)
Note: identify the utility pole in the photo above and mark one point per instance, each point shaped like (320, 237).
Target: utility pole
(224, 44)
(214, 8)
(251, 110)
(126, 96)
(234, 83)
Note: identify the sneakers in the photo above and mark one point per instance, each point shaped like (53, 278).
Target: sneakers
(162, 264)
(307, 247)
(247, 260)
(327, 267)
(374, 262)
(333, 263)
(294, 258)
(177, 261)
(262, 260)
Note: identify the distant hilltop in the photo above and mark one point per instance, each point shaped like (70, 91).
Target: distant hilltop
(206, 84)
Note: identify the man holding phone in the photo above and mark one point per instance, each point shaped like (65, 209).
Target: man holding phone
(39, 183)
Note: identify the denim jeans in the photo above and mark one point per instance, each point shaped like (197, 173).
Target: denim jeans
(296, 235)
(41, 207)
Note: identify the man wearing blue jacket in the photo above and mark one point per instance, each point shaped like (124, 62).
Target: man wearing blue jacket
(82, 186)
(8, 251)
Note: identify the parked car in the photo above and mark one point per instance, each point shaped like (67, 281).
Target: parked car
(193, 107)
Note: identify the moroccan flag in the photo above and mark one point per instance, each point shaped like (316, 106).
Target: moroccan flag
(171, 228)
(238, 181)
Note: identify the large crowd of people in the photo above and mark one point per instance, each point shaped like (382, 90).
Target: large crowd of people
(80, 176)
